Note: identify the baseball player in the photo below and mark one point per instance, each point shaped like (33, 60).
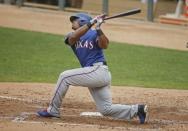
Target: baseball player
(88, 44)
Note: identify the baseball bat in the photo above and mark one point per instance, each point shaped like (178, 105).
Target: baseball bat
(127, 13)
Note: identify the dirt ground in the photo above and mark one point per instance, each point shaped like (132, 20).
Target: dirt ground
(19, 103)
(120, 30)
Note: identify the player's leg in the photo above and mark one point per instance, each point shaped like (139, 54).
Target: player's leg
(103, 99)
(87, 77)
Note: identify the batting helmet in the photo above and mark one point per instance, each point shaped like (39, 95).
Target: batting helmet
(83, 18)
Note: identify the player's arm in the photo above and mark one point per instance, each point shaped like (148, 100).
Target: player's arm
(75, 36)
(102, 39)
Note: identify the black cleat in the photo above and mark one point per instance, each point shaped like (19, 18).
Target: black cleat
(142, 113)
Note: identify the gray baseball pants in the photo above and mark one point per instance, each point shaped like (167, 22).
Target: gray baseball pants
(97, 78)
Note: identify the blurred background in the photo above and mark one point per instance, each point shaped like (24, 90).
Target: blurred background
(159, 7)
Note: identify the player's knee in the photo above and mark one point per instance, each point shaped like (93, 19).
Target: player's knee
(63, 74)
(64, 77)
(106, 110)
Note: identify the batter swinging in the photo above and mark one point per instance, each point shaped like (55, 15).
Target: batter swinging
(88, 45)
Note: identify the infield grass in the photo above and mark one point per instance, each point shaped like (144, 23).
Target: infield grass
(39, 57)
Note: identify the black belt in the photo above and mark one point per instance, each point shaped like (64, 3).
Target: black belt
(104, 63)
(100, 63)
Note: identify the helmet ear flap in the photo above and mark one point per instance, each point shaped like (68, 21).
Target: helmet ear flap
(81, 22)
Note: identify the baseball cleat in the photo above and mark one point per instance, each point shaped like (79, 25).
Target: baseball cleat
(142, 113)
(44, 113)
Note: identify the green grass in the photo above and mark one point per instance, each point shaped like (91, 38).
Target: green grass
(148, 66)
(40, 57)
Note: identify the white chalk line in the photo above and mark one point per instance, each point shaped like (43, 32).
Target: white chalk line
(6, 118)
(28, 101)
(22, 99)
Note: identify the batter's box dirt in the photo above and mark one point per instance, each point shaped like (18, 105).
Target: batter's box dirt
(102, 122)
(22, 112)
(18, 107)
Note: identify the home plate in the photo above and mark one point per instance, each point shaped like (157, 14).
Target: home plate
(91, 114)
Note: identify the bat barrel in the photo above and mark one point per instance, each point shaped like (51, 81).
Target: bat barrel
(130, 12)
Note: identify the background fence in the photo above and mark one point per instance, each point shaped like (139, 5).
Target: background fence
(162, 7)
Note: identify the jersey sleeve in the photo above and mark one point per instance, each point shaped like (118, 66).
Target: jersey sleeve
(67, 37)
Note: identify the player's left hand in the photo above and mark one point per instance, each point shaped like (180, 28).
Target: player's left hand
(98, 24)
(98, 19)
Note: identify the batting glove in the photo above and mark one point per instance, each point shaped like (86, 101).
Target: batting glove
(99, 23)
(99, 18)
